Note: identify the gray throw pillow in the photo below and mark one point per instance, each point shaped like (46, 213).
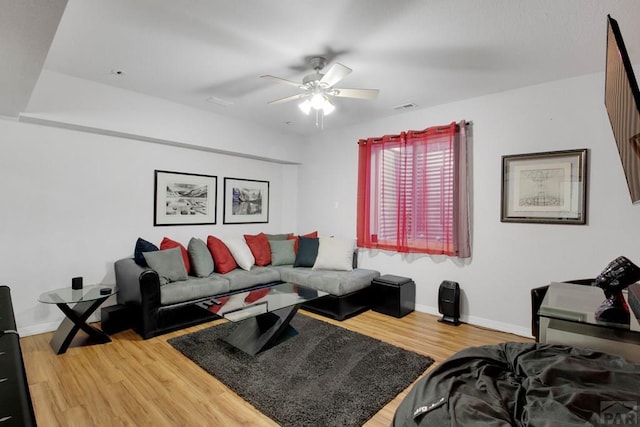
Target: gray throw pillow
(282, 252)
(168, 263)
(278, 236)
(201, 261)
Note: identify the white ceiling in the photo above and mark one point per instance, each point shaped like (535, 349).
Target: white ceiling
(426, 52)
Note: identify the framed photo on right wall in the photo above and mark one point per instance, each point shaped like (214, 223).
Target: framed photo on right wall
(548, 187)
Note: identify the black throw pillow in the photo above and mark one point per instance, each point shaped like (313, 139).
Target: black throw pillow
(307, 251)
(143, 246)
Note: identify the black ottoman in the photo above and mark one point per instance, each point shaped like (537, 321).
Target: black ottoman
(116, 318)
(393, 295)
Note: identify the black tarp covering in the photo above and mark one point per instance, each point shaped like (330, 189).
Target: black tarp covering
(523, 384)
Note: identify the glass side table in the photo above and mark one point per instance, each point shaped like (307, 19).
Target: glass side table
(567, 316)
(85, 301)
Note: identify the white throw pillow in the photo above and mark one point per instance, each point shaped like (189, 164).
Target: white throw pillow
(335, 254)
(241, 253)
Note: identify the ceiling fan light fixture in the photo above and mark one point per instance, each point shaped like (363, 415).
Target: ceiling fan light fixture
(318, 101)
(328, 107)
(305, 106)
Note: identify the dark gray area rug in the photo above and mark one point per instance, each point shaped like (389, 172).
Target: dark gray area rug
(324, 376)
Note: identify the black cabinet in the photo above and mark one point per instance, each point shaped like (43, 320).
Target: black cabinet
(393, 295)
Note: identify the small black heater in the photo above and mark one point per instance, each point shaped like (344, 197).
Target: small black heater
(449, 302)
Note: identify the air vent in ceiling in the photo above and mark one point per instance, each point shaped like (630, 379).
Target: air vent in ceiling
(219, 101)
(404, 106)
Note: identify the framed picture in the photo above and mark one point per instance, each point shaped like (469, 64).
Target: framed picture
(549, 187)
(246, 201)
(184, 198)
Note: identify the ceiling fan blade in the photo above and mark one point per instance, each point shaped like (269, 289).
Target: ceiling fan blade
(356, 93)
(288, 98)
(285, 81)
(334, 74)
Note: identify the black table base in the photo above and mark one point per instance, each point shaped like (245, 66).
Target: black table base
(263, 331)
(77, 319)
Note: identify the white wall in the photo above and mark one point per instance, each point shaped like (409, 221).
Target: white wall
(75, 202)
(70, 101)
(508, 259)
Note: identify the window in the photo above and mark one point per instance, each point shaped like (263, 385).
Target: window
(412, 192)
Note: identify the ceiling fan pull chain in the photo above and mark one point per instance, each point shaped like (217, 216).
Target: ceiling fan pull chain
(320, 119)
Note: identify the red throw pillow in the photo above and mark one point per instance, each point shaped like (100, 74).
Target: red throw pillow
(295, 245)
(260, 248)
(222, 258)
(169, 244)
(256, 294)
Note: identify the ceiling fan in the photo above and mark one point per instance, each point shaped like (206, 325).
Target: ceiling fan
(317, 88)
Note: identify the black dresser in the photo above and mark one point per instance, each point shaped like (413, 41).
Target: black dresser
(15, 401)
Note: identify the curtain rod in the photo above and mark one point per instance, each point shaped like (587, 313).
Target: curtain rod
(466, 124)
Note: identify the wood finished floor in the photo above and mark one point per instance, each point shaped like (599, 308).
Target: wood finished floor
(133, 382)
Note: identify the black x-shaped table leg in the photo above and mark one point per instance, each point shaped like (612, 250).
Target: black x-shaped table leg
(256, 334)
(77, 319)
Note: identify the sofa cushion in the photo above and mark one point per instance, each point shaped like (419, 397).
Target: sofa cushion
(335, 254)
(241, 253)
(241, 279)
(168, 244)
(201, 260)
(194, 288)
(336, 283)
(143, 246)
(168, 263)
(222, 258)
(307, 252)
(282, 252)
(259, 245)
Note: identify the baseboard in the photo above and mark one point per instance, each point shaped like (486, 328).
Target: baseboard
(478, 321)
(42, 328)
(482, 322)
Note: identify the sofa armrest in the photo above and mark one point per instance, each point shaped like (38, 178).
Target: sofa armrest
(128, 275)
(141, 287)
(150, 289)
(537, 295)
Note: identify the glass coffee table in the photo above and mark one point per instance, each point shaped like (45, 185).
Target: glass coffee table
(262, 314)
(567, 316)
(86, 301)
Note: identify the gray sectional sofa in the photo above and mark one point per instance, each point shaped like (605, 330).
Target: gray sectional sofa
(158, 309)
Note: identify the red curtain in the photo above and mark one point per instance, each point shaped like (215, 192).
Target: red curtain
(412, 192)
